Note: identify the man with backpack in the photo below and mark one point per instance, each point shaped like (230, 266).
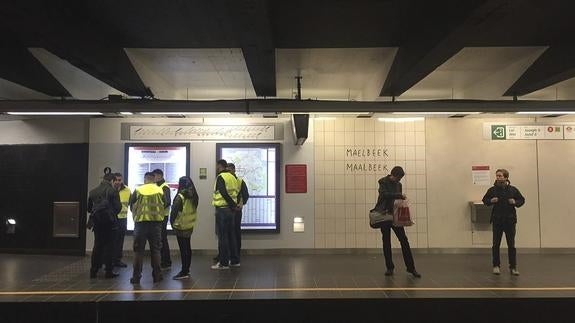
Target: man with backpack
(104, 206)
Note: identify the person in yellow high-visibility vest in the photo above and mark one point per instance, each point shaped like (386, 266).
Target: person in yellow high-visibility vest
(147, 205)
(243, 196)
(224, 200)
(183, 219)
(125, 193)
(165, 259)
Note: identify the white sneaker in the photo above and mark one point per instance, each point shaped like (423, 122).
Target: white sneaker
(218, 266)
(235, 265)
(496, 270)
(514, 272)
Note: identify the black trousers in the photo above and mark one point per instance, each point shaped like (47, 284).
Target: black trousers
(102, 253)
(165, 259)
(238, 230)
(386, 228)
(147, 232)
(119, 244)
(509, 229)
(185, 253)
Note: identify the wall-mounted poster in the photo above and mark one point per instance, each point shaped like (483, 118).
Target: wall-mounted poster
(259, 166)
(172, 159)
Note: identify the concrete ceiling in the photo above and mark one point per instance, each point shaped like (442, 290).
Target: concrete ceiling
(360, 50)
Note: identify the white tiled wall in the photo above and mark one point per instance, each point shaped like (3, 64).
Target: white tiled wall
(343, 197)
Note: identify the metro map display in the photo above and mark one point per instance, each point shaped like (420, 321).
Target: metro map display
(172, 159)
(259, 166)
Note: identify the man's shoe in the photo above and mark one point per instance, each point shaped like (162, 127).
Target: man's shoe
(135, 280)
(414, 273)
(218, 266)
(389, 272)
(111, 274)
(120, 264)
(496, 270)
(181, 275)
(514, 272)
(237, 264)
(166, 267)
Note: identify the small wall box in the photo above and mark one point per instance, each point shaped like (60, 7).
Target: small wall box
(480, 213)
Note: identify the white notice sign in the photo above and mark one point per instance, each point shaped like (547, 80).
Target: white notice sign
(202, 132)
(569, 132)
(480, 175)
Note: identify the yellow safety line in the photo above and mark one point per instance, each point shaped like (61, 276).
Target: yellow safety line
(305, 289)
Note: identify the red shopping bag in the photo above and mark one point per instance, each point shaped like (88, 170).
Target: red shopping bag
(401, 214)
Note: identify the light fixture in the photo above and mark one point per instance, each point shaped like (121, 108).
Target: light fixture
(126, 113)
(434, 113)
(10, 226)
(298, 224)
(55, 113)
(400, 119)
(545, 112)
(183, 113)
(329, 113)
(324, 118)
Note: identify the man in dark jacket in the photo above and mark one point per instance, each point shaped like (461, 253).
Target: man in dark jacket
(166, 260)
(390, 190)
(104, 206)
(505, 198)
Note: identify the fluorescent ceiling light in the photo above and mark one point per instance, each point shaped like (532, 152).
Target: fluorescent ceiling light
(329, 113)
(181, 113)
(55, 113)
(545, 112)
(400, 119)
(126, 113)
(434, 113)
(324, 118)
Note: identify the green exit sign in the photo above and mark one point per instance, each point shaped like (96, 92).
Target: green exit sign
(498, 132)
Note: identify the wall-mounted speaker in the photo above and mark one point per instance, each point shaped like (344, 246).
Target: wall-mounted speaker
(300, 125)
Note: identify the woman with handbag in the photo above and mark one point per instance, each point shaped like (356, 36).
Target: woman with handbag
(390, 190)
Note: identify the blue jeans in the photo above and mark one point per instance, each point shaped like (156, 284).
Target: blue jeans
(227, 248)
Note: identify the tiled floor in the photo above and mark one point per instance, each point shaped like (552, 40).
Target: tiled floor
(26, 278)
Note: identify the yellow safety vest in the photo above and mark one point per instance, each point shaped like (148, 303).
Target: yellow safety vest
(149, 205)
(124, 199)
(166, 210)
(231, 186)
(187, 216)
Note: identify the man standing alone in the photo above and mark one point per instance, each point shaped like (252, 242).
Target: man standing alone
(505, 198)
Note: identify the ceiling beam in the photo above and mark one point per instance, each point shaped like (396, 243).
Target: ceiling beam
(284, 106)
(423, 51)
(108, 64)
(555, 65)
(250, 23)
(19, 66)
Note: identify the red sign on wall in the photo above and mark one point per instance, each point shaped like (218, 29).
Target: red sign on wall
(296, 178)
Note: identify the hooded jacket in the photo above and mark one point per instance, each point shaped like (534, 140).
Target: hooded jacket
(389, 191)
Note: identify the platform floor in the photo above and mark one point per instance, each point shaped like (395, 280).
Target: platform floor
(29, 278)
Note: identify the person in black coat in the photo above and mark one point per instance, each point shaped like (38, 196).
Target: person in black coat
(504, 198)
(389, 190)
(103, 206)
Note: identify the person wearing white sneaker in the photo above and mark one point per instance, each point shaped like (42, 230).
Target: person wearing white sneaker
(504, 198)
(224, 200)
(496, 270)
(183, 218)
